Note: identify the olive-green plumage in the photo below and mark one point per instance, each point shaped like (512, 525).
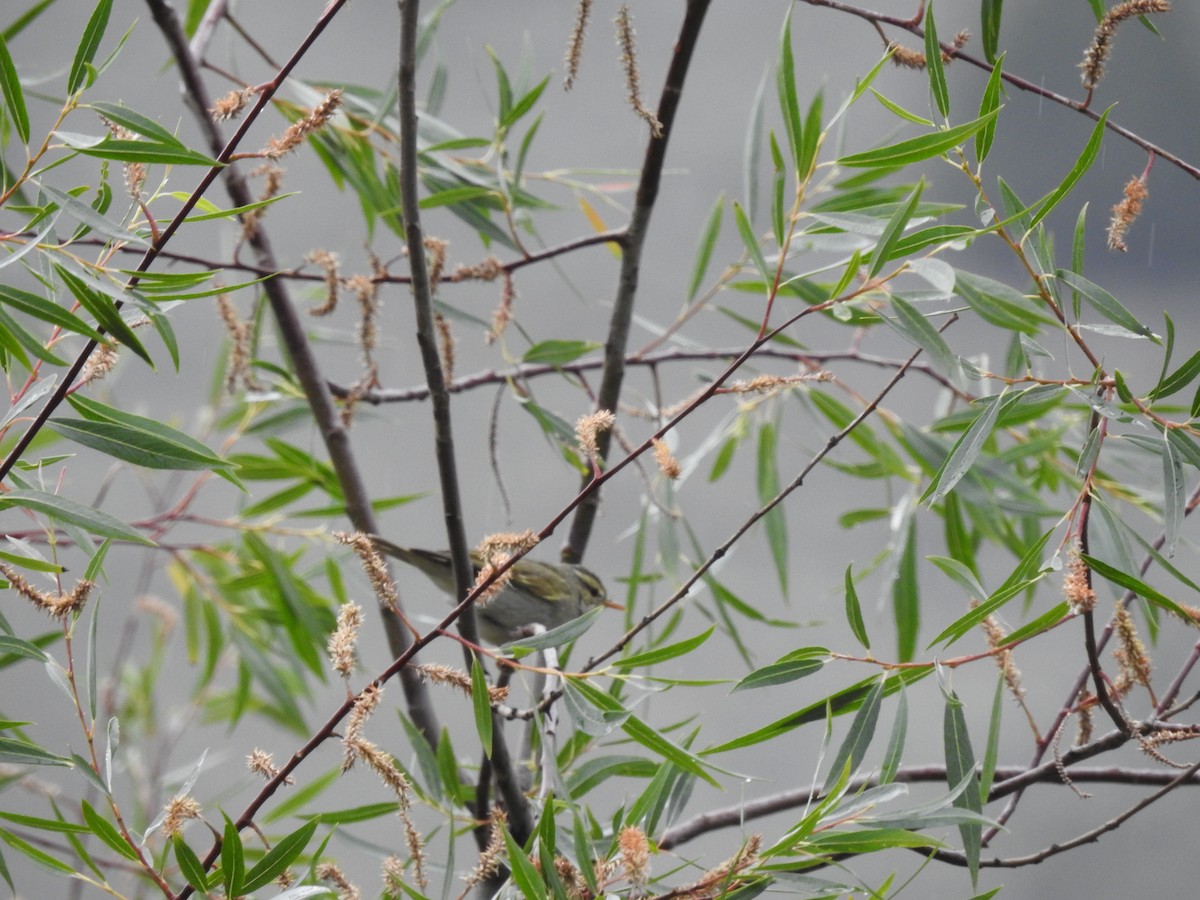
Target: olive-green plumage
(538, 593)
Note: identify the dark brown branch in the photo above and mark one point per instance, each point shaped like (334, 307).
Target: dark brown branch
(520, 818)
(609, 394)
(533, 370)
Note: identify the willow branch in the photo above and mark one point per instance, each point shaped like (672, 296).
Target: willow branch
(609, 394)
(320, 401)
(1079, 106)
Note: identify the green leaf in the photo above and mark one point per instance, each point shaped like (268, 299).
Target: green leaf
(894, 754)
(906, 597)
(129, 151)
(57, 826)
(104, 310)
(524, 875)
(88, 45)
(92, 218)
(960, 764)
(558, 353)
(989, 14)
(1028, 571)
(919, 148)
(991, 751)
(917, 329)
(1086, 158)
(190, 865)
(662, 654)
(790, 667)
(365, 813)
(750, 240)
(41, 308)
(43, 859)
(281, 855)
(775, 521)
(858, 738)
(965, 451)
(596, 770)
(789, 103)
(105, 831)
(1174, 496)
(934, 65)
(1179, 379)
(900, 111)
(812, 136)
(233, 861)
(525, 104)
(132, 445)
(1105, 303)
(854, 611)
(708, 240)
(92, 520)
(839, 703)
(481, 703)
(894, 230)
(1143, 590)
(999, 303)
(453, 195)
(14, 97)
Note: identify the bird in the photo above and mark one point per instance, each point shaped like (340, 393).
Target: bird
(538, 593)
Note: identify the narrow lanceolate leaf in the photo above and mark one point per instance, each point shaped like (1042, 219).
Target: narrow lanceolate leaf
(839, 703)
(894, 229)
(1086, 158)
(105, 831)
(140, 448)
(1139, 587)
(1179, 379)
(750, 240)
(14, 97)
(768, 489)
(987, 105)
(1105, 303)
(989, 13)
(992, 751)
(17, 752)
(919, 148)
(524, 874)
(708, 240)
(150, 152)
(960, 764)
(790, 667)
(481, 703)
(858, 739)
(91, 520)
(854, 611)
(934, 65)
(189, 865)
(965, 451)
(785, 85)
(233, 860)
(1174, 496)
(558, 352)
(88, 45)
(916, 328)
(999, 303)
(894, 754)
(281, 855)
(906, 601)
